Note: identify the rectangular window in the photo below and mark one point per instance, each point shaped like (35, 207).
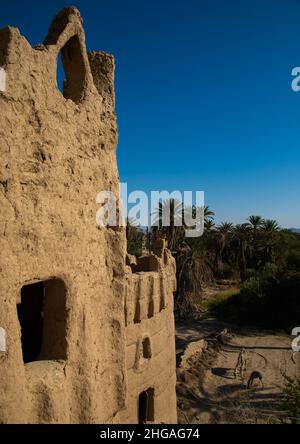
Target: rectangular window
(42, 316)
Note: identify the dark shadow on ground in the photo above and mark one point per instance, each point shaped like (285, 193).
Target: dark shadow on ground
(224, 372)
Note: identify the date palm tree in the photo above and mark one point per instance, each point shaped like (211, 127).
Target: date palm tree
(241, 237)
(209, 225)
(254, 222)
(208, 216)
(167, 220)
(270, 225)
(270, 230)
(224, 238)
(134, 237)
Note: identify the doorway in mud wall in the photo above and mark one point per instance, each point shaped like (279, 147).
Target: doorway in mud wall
(146, 406)
(43, 318)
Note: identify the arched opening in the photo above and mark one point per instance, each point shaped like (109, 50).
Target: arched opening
(71, 72)
(60, 74)
(43, 317)
(146, 348)
(146, 406)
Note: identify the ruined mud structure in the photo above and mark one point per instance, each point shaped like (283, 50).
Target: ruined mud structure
(86, 337)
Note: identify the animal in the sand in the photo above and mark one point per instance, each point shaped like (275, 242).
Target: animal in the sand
(255, 375)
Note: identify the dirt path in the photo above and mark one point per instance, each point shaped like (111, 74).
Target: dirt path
(209, 393)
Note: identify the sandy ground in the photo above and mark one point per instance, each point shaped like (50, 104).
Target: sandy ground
(208, 392)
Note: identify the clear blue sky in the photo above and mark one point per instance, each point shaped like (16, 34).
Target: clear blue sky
(204, 97)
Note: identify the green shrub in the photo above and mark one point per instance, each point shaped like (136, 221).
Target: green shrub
(291, 403)
(293, 261)
(268, 300)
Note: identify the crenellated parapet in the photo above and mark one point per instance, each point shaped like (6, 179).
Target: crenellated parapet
(149, 332)
(151, 282)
